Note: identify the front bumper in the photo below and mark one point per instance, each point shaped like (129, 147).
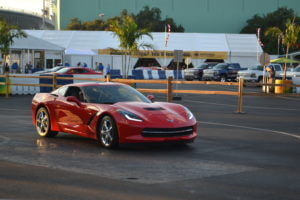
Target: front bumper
(134, 134)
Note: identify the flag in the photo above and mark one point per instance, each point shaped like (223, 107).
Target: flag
(258, 38)
(168, 32)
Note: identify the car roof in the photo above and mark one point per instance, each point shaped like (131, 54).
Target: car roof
(78, 68)
(84, 84)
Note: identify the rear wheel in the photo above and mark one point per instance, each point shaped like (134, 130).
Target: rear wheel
(260, 81)
(43, 123)
(108, 133)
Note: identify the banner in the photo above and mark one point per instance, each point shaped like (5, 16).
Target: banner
(168, 54)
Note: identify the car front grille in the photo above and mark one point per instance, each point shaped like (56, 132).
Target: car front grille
(167, 132)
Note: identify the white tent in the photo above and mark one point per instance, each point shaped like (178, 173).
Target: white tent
(31, 42)
(242, 48)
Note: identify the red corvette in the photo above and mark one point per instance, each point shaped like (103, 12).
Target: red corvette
(112, 113)
(76, 70)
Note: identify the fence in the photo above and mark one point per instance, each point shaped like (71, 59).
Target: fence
(239, 93)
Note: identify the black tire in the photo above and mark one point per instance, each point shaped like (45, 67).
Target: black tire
(223, 78)
(108, 133)
(43, 123)
(260, 81)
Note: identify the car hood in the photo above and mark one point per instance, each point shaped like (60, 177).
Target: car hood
(249, 71)
(158, 113)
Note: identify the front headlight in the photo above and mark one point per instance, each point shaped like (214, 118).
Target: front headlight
(216, 73)
(189, 113)
(130, 116)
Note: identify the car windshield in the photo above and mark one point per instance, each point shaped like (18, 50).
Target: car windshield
(220, 66)
(297, 69)
(203, 66)
(110, 94)
(54, 69)
(63, 70)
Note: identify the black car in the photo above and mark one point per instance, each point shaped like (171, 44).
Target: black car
(196, 72)
(223, 72)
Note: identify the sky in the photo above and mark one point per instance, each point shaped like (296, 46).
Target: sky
(27, 5)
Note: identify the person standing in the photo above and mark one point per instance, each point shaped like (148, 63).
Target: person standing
(30, 67)
(271, 77)
(6, 68)
(14, 67)
(107, 70)
(100, 67)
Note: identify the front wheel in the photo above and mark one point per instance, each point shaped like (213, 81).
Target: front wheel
(108, 133)
(43, 123)
(223, 79)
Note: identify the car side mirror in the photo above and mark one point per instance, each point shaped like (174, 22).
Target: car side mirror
(151, 98)
(73, 99)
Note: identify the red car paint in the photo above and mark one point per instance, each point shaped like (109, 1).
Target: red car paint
(83, 119)
(76, 70)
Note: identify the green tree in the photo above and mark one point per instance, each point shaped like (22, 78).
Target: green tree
(7, 34)
(128, 34)
(74, 24)
(95, 25)
(289, 36)
(147, 18)
(278, 19)
(151, 19)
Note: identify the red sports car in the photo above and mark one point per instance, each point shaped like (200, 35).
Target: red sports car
(76, 70)
(112, 113)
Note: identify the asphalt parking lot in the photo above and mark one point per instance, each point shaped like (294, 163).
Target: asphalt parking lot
(254, 155)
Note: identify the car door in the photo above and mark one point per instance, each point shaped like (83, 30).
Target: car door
(71, 116)
(232, 71)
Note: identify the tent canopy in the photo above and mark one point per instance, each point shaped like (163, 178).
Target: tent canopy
(284, 60)
(31, 42)
(245, 44)
(79, 52)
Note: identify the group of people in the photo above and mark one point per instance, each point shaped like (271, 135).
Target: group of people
(101, 68)
(15, 68)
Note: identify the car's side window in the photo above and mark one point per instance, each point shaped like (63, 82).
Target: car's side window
(76, 92)
(277, 67)
(78, 71)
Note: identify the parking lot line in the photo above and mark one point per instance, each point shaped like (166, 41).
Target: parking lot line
(252, 128)
(231, 105)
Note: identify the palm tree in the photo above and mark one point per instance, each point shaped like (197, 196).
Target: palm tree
(7, 34)
(129, 33)
(289, 36)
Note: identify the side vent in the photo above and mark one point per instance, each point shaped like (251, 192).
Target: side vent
(153, 108)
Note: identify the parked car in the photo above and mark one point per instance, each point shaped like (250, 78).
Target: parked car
(111, 113)
(222, 72)
(255, 74)
(292, 73)
(196, 73)
(148, 68)
(76, 70)
(54, 69)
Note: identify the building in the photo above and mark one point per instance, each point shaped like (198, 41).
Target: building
(44, 18)
(203, 16)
